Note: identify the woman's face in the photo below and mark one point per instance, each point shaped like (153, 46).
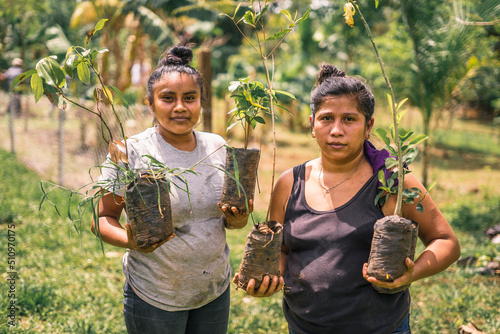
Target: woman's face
(176, 103)
(340, 129)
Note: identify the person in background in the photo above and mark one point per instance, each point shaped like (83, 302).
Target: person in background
(14, 106)
(181, 286)
(327, 208)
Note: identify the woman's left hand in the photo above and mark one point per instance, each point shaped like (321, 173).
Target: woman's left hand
(268, 287)
(235, 218)
(405, 279)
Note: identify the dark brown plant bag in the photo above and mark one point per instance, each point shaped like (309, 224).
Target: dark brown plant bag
(394, 239)
(247, 161)
(261, 256)
(148, 210)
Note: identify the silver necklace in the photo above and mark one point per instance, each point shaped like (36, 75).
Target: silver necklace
(327, 189)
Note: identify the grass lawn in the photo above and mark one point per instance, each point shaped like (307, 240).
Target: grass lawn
(66, 284)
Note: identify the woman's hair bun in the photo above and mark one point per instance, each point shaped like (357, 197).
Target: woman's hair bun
(177, 55)
(329, 71)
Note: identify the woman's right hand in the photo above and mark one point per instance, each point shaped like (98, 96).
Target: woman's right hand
(268, 287)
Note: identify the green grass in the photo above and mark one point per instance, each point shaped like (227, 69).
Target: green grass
(67, 285)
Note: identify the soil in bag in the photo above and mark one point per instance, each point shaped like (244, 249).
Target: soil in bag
(261, 256)
(247, 161)
(394, 239)
(148, 210)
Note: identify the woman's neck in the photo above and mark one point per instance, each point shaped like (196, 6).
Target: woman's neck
(344, 166)
(183, 142)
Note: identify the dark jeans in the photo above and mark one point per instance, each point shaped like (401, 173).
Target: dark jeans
(404, 328)
(143, 318)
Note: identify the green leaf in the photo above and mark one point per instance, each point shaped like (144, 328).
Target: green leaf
(106, 92)
(21, 77)
(87, 52)
(284, 93)
(418, 139)
(83, 73)
(420, 208)
(377, 198)
(120, 95)
(390, 183)
(69, 64)
(410, 156)
(48, 69)
(261, 14)
(431, 186)
(303, 18)
(236, 10)
(249, 18)
(391, 150)
(400, 104)
(253, 123)
(233, 85)
(390, 162)
(100, 25)
(389, 100)
(382, 134)
(400, 115)
(410, 193)
(231, 126)
(279, 35)
(376, 3)
(287, 14)
(37, 86)
(405, 134)
(381, 177)
(260, 120)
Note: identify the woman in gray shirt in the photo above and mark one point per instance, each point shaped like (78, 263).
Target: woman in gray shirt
(180, 286)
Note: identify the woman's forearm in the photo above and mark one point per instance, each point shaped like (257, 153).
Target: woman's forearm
(437, 256)
(111, 232)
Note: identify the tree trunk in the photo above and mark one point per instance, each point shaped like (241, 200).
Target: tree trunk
(10, 111)
(60, 156)
(426, 153)
(205, 66)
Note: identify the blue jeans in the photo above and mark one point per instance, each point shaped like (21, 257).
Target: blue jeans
(404, 328)
(143, 318)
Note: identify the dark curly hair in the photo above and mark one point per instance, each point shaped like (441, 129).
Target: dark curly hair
(334, 82)
(177, 60)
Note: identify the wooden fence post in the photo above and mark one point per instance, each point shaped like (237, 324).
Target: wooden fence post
(60, 155)
(205, 66)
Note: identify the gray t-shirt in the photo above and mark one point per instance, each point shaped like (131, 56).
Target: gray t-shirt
(192, 268)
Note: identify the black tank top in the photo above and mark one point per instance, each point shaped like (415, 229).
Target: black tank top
(325, 291)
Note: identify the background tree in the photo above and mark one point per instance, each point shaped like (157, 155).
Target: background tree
(441, 50)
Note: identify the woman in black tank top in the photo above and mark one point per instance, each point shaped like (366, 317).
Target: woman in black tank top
(327, 208)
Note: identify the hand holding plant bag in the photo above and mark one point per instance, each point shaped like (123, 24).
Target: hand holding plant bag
(254, 101)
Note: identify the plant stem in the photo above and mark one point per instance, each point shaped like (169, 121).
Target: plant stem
(109, 99)
(87, 109)
(270, 86)
(399, 203)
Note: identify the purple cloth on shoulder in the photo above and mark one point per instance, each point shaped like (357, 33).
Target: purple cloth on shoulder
(375, 157)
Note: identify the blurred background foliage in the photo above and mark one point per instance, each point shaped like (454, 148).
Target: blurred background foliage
(449, 48)
(442, 55)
